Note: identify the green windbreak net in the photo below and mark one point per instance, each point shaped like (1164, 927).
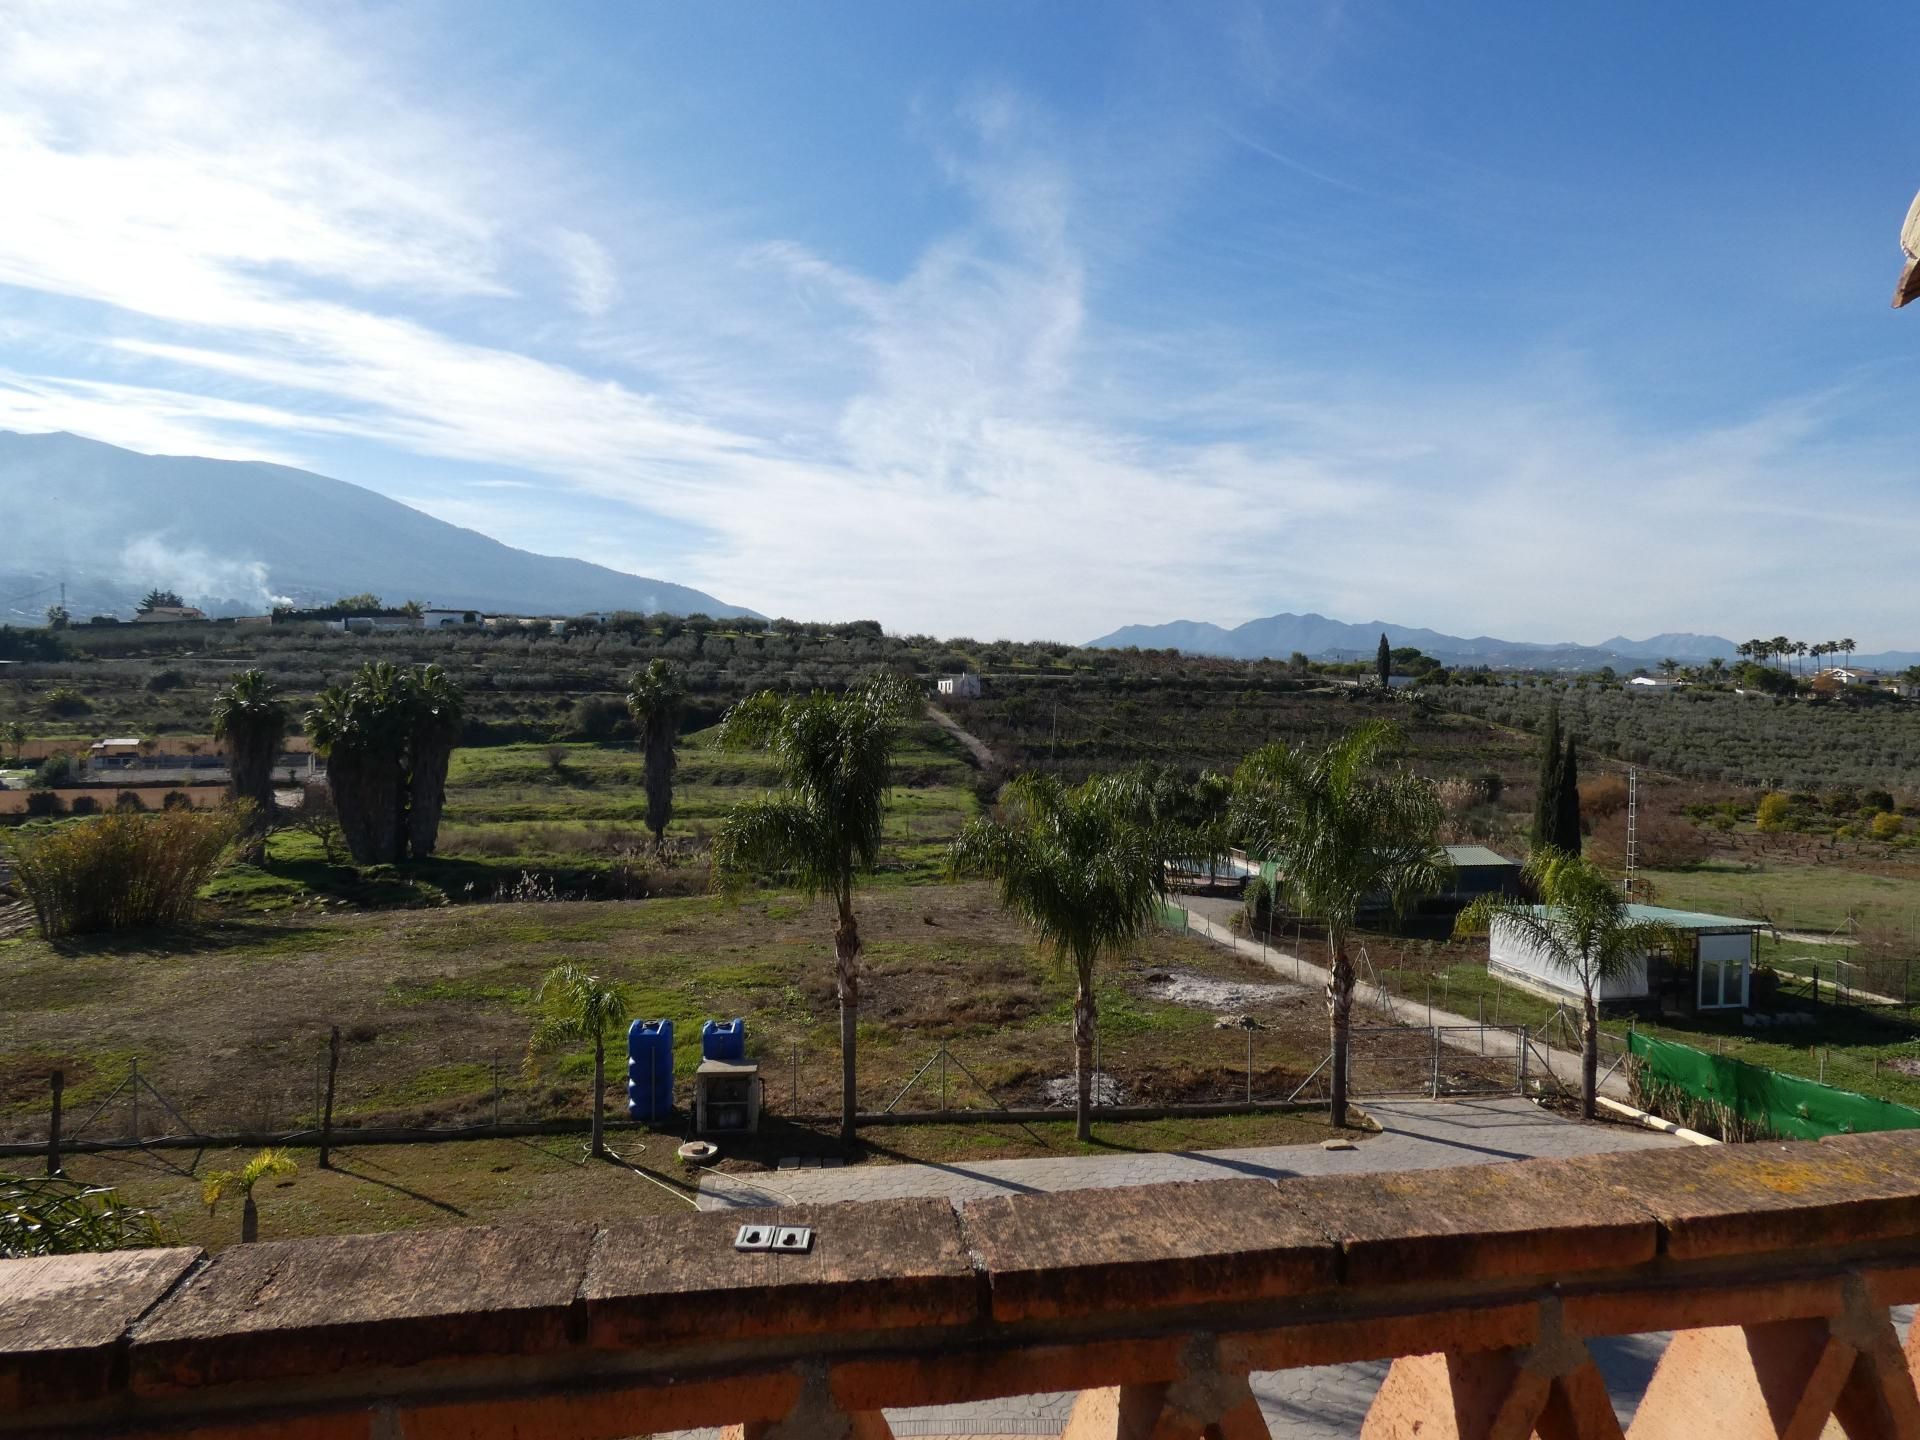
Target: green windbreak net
(1764, 1100)
(1172, 916)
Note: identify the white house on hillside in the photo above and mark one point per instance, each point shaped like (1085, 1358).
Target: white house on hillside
(959, 687)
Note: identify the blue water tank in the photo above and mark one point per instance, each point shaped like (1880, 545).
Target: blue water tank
(724, 1040)
(650, 1070)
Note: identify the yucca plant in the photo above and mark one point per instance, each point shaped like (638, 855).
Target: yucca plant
(224, 1182)
(251, 718)
(122, 871)
(575, 1007)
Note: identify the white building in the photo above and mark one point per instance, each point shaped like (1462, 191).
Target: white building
(959, 687)
(1712, 972)
(1652, 685)
(448, 619)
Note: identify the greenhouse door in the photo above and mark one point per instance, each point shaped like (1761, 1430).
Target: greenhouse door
(1723, 971)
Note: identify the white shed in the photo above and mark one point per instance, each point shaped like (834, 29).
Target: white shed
(1716, 975)
(960, 687)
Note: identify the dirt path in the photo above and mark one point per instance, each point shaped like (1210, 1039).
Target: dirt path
(953, 727)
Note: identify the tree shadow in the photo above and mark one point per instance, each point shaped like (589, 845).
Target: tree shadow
(442, 1205)
(213, 937)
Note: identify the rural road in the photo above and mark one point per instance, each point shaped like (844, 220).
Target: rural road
(976, 746)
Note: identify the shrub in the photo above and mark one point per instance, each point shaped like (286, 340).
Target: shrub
(120, 872)
(53, 771)
(1886, 825)
(83, 805)
(65, 700)
(52, 1215)
(129, 802)
(1877, 799)
(43, 804)
(1773, 811)
(176, 800)
(1602, 796)
(164, 680)
(600, 717)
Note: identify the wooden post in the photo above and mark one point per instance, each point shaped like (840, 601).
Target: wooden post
(326, 1117)
(53, 1125)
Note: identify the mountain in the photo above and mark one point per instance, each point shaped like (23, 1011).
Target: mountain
(1278, 636)
(237, 536)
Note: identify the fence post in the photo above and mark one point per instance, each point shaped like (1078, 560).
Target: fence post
(53, 1124)
(1434, 1086)
(1523, 1060)
(326, 1117)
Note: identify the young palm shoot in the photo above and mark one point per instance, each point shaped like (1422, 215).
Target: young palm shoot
(224, 1182)
(579, 1008)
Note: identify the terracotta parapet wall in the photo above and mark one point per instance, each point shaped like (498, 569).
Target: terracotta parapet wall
(657, 1322)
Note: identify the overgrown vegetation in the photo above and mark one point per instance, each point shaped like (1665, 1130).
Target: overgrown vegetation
(52, 1215)
(123, 871)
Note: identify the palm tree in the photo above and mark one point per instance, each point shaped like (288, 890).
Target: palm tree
(1583, 925)
(1668, 666)
(823, 829)
(1344, 834)
(576, 1007)
(220, 1182)
(1800, 650)
(655, 696)
(438, 713)
(388, 737)
(1782, 647)
(252, 718)
(1079, 867)
(1848, 647)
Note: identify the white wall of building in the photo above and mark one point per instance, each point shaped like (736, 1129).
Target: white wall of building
(1511, 949)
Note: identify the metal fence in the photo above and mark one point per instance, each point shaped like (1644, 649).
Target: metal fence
(1395, 1060)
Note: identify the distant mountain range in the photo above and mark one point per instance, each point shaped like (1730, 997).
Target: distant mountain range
(235, 537)
(1317, 637)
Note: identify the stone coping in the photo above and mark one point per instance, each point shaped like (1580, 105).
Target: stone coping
(85, 1329)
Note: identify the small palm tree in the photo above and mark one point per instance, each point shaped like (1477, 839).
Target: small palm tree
(1584, 926)
(823, 829)
(221, 1182)
(252, 718)
(655, 696)
(1344, 835)
(579, 1007)
(1079, 867)
(438, 712)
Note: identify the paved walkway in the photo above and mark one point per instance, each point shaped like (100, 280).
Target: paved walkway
(1210, 919)
(1416, 1135)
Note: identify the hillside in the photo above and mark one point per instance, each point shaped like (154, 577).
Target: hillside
(232, 536)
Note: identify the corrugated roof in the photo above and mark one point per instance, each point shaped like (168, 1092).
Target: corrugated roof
(1467, 856)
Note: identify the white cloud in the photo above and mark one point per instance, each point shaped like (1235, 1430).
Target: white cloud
(259, 268)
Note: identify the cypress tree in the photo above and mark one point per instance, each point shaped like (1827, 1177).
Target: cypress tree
(1546, 798)
(1383, 660)
(1567, 821)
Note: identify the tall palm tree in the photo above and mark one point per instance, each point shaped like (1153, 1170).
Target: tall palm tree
(252, 718)
(438, 713)
(576, 1006)
(242, 1181)
(1583, 925)
(1782, 647)
(1345, 833)
(822, 830)
(1848, 647)
(1800, 650)
(1081, 869)
(655, 696)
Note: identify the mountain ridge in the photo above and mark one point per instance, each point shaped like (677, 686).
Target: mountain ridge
(1275, 637)
(234, 536)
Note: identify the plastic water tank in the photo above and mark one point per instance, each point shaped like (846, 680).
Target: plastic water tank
(650, 1070)
(724, 1040)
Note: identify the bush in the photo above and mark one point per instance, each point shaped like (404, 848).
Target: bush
(54, 771)
(176, 800)
(52, 1215)
(120, 872)
(1602, 796)
(599, 718)
(83, 805)
(1886, 825)
(44, 804)
(65, 700)
(164, 680)
(1773, 811)
(129, 802)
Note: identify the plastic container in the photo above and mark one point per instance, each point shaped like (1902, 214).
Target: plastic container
(724, 1040)
(650, 1070)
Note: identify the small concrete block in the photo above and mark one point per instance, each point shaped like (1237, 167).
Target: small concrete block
(62, 1317)
(1338, 1145)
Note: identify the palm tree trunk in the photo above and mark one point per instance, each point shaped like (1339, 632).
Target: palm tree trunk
(1085, 1020)
(846, 976)
(1589, 1056)
(1339, 1024)
(249, 1221)
(599, 1094)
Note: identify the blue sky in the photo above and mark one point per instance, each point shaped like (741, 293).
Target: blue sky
(1548, 322)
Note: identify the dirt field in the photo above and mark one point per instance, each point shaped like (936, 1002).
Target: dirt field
(434, 1007)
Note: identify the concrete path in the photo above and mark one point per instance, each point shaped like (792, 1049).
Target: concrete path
(1416, 1135)
(1209, 919)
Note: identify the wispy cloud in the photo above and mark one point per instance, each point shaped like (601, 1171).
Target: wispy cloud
(984, 439)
